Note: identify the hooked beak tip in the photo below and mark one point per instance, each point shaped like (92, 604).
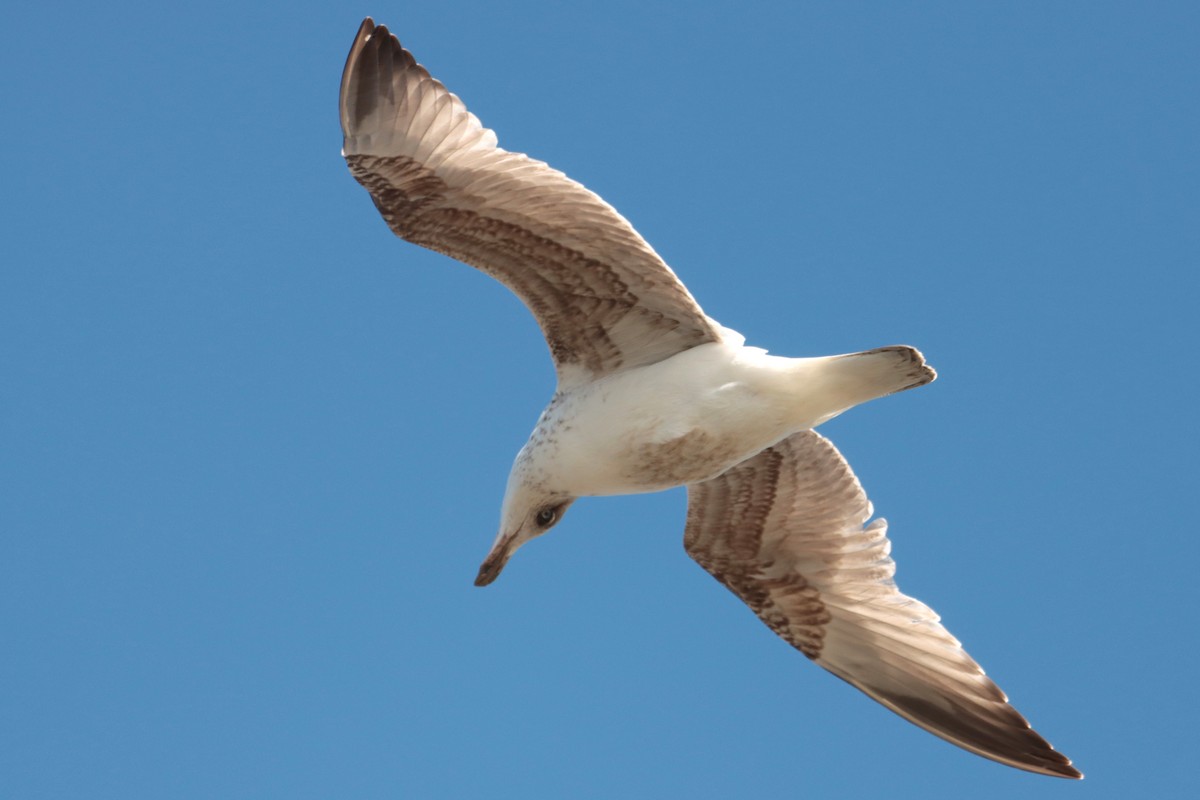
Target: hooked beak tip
(487, 573)
(492, 565)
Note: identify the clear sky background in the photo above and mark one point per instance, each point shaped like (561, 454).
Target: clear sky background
(252, 446)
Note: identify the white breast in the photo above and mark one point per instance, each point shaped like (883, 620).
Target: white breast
(682, 420)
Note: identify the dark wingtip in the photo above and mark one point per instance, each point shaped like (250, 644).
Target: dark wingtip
(1062, 769)
(348, 78)
(1003, 736)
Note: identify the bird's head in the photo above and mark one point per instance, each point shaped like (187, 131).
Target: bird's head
(529, 510)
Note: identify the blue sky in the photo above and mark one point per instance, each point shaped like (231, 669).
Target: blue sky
(252, 447)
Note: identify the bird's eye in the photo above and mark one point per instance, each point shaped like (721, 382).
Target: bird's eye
(547, 516)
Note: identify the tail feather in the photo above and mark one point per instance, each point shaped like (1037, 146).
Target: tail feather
(846, 381)
(899, 366)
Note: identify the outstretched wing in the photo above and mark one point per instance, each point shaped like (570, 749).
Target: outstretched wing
(785, 532)
(603, 298)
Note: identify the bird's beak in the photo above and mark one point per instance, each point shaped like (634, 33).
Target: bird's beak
(501, 551)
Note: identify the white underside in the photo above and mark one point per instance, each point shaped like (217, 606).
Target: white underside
(695, 414)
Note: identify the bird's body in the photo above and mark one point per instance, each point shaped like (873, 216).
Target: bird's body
(694, 415)
(653, 394)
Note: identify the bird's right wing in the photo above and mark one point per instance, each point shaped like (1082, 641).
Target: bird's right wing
(603, 298)
(785, 532)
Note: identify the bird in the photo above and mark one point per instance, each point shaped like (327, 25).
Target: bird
(653, 394)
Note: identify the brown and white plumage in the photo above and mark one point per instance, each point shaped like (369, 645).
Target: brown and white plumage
(602, 296)
(654, 394)
(786, 531)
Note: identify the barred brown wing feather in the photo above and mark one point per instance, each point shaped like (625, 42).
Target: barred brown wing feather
(787, 532)
(601, 295)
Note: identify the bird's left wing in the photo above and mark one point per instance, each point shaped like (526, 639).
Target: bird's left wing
(785, 532)
(601, 295)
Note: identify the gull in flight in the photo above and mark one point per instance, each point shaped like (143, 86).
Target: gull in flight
(654, 394)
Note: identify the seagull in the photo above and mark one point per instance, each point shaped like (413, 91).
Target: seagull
(654, 394)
